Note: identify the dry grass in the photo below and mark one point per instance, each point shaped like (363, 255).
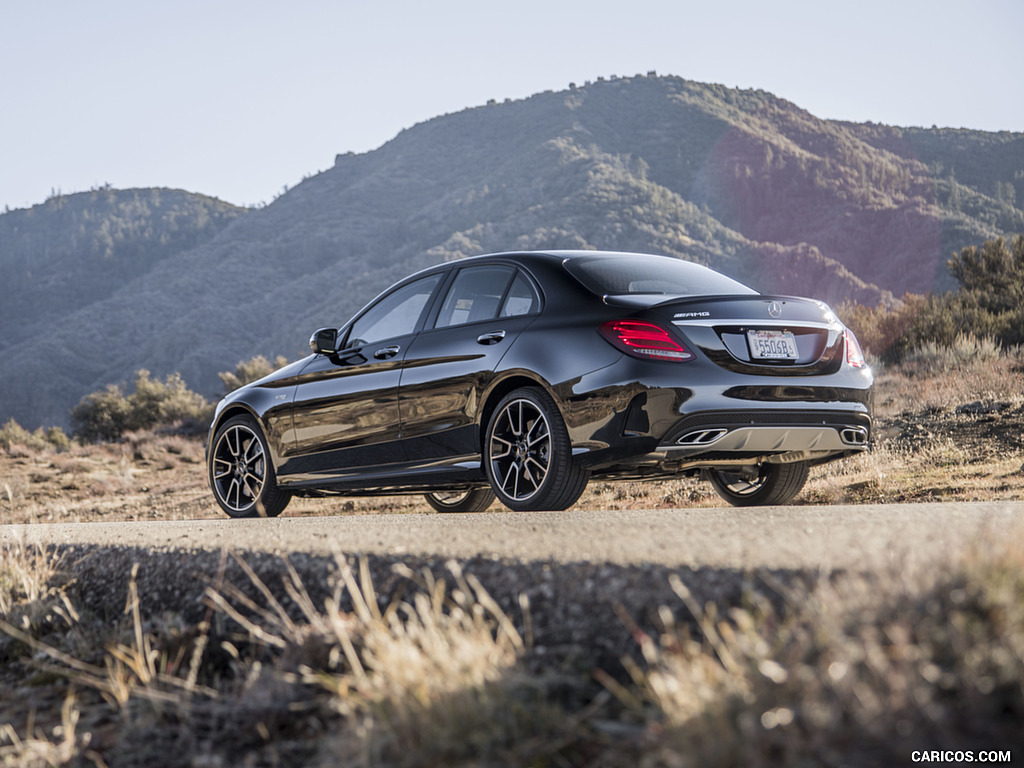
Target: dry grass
(62, 746)
(942, 380)
(861, 671)
(437, 675)
(850, 669)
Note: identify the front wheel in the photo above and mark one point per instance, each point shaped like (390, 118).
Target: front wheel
(528, 456)
(763, 485)
(473, 500)
(241, 472)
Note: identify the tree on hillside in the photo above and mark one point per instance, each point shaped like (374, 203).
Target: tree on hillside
(994, 273)
(988, 304)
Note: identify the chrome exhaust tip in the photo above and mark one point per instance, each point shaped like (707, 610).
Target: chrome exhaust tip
(854, 436)
(702, 437)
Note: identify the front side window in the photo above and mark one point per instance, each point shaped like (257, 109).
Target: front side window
(475, 296)
(397, 314)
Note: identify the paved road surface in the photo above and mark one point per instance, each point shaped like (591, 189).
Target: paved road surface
(825, 537)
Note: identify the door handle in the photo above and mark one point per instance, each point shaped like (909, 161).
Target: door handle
(385, 352)
(492, 337)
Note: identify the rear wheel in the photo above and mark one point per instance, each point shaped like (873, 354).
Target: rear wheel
(473, 500)
(528, 456)
(763, 485)
(241, 472)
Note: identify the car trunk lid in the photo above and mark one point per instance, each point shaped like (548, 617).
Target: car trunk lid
(775, 335)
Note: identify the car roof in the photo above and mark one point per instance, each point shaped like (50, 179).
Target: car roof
(559, 255)
(553, 257)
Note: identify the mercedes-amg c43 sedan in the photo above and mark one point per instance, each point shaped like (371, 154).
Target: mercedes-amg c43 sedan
(522, 376)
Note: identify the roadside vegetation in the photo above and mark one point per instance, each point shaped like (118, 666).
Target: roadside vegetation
(987, 308)
(840, 669)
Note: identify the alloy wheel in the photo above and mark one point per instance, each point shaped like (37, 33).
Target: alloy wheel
(743, 483)
(467, 500)
(520, 449)
(239, 468)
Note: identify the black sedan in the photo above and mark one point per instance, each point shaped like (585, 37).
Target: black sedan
(524, 375)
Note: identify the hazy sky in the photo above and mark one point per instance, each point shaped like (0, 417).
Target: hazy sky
(238, 98)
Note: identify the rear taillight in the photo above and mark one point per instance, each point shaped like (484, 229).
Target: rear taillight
(854, 354)
(644, 340)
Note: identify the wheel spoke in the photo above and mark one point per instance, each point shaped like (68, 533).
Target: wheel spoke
(504, 443)
(257, 484)
(528, 476)
(543, 435)
(543, 470)
(257, 454)
(740, 485)
(235, 492)
(512, 468)
(249, 492)
(450, 497)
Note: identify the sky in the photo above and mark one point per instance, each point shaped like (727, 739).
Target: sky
(239, 99)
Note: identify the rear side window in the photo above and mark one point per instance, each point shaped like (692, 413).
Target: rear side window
(641, 274)
(476, 295)
(522, 298)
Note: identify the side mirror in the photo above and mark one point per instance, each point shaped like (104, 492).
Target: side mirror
(324, 341)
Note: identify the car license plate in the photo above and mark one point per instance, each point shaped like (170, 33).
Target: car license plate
(772, 345)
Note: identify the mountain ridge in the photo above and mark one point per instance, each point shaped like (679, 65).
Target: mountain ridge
(742, 181)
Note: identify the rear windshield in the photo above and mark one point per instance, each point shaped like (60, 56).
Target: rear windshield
(640, 274)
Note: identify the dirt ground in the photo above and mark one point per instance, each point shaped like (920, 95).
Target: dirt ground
(953, 442)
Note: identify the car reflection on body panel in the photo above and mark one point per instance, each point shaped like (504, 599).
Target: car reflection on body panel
(522, 376)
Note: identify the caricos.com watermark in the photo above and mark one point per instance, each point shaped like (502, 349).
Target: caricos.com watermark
(961, 756)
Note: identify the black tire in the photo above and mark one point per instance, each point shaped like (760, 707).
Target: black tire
(528, 456)
(764, 485)
(241, 473)
(473, 500)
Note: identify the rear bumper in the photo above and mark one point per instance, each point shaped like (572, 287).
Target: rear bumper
(767, 440)
(637, 418)
(723, 439)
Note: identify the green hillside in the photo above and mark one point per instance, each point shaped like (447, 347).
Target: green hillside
(74, 250)
(740, 180)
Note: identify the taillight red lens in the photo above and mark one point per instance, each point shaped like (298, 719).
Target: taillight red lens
(644, 340)
(854, 354)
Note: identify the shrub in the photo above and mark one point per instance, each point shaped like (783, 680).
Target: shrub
(250, 370)
(988, 304)
(931, 358)
(109, 413)
(12, 433)
(879, 328)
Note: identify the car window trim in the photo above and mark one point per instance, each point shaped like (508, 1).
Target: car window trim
(428, 308)
(455, 276)
(508, 290)
(430, 325)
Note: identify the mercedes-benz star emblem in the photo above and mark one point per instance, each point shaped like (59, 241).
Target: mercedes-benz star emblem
(774, 308)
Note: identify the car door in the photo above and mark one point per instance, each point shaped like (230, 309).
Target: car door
(451, 362)
(345, 411)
